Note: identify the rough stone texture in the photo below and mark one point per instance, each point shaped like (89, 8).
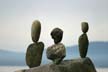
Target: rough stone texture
(56, 53)
(35, 30)
(84, 27)
(75, 65)
(34, 54)
(83, 45)
(57, 35)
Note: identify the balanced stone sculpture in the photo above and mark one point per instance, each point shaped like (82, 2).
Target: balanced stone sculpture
(83, 40)
(35, 50)
(56, 52)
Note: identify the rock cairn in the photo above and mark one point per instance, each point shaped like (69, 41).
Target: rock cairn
(83, 40)
(56, 52)
(35, 50)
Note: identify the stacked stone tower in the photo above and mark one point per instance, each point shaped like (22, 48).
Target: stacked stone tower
(83, 40)
(56, 52)
(35, 50)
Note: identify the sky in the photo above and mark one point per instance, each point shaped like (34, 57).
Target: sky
(16, 17)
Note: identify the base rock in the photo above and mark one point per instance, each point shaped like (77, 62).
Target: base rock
(74, 65)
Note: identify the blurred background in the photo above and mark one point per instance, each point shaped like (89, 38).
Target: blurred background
(16, 17)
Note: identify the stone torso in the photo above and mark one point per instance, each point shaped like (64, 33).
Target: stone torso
(56, 51)
(34, 54)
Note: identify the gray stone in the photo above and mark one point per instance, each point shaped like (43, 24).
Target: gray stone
(35, 30)
(75, 65)
(84, 27)
(56, 53)
(21, 70)
(57, 35)
(83, 44)
(34, 54)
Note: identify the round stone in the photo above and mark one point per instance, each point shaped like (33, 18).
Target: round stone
(35, 30)
(57, 35)
(84, 27)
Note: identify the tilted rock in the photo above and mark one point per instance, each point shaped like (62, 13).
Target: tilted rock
(34, 54)
(75, 65)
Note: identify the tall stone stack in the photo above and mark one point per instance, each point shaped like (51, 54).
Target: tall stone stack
(35, 50)
(56, 52)
(83, 40)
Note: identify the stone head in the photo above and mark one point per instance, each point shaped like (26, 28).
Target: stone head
(35, 30)
(57, 35)
(84, 27)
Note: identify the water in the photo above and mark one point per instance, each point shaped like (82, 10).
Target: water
(11, 68)
(99, 58)
(98, 53)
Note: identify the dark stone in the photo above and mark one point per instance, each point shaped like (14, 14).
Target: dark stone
(34, 54)
(57, 35)
(84, 27)
(75, 65)
(83, 45)
(35, 31)
(56, 53)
